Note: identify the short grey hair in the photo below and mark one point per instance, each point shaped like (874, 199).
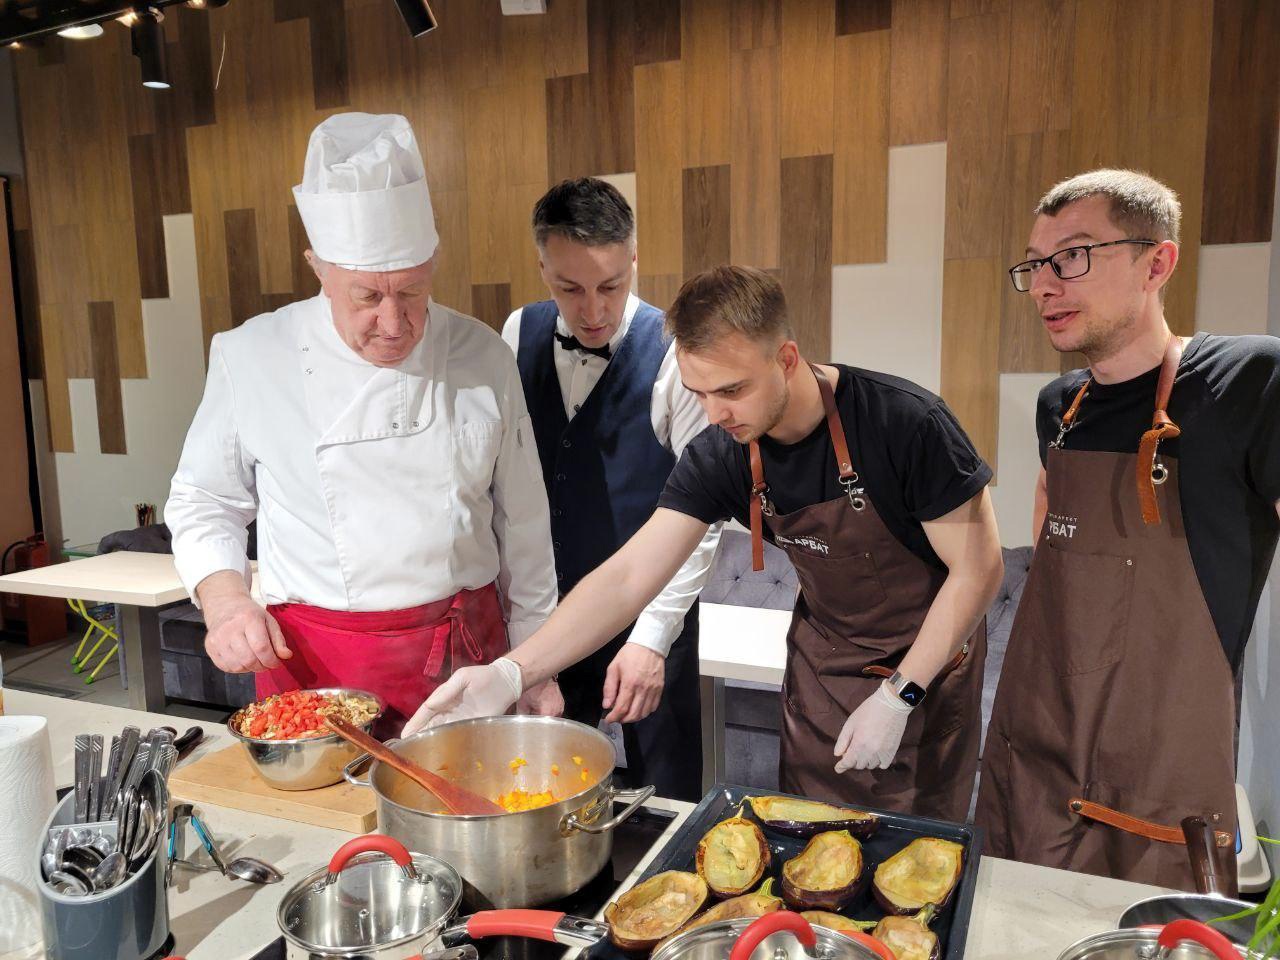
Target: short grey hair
(1141, 206)
(586, 210)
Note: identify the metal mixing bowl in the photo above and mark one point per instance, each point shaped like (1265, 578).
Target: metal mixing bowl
(305, 763)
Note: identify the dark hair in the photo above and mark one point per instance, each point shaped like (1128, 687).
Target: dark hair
(585, 210)
(1141, 206)
(726, 300)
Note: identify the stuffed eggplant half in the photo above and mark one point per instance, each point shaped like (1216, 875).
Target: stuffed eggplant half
(804, 818)
(755, 904)
(826, 874)
(908, 937)
(733, 856)
(926, 870)
(654, 909)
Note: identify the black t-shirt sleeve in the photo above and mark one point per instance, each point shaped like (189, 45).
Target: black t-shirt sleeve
(1047, 419)
(701, 483)
(944, 470)
(1264, 445)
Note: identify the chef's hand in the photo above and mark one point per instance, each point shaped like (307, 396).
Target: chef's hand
(633, 684)
(242, 637)
(486, 691)
(872, 734)
(544, 700)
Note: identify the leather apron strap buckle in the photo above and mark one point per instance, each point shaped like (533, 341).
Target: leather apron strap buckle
(1149, 471)
(1139, 827)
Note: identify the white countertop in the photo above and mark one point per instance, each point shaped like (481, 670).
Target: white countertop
(742, 643)
(1020, 911)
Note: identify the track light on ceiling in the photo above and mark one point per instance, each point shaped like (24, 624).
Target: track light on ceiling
(84, 31)
(417, 16)
(148, 46)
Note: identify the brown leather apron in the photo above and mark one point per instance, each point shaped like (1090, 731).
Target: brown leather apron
(863, 596)
(1116, 700)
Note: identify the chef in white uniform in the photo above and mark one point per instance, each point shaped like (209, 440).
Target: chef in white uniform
(382, 442)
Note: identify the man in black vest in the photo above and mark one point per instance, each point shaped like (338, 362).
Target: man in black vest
(611, 417)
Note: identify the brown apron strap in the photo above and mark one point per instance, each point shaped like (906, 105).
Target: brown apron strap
(759, 490)
(1161, 428)
(1142, 828)
(1069, 417)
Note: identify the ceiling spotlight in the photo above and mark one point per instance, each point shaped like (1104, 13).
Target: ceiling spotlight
(129, 18)
(86, 31)
(148, 46)
(417, 16)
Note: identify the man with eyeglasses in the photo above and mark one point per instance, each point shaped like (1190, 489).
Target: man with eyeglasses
(1156, 513)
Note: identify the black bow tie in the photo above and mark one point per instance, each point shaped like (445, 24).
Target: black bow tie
(572, 343)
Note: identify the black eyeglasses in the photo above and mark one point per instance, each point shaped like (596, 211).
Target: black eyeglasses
(1068, 263)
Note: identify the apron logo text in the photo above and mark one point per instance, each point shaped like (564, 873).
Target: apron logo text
(1060, 526)
(809, 543)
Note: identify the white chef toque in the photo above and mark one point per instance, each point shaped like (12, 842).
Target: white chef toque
(363, 196)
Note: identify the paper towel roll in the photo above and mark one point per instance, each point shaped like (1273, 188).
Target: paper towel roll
(27, 798)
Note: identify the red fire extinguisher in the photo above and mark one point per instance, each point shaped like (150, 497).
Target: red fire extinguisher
(43, 619)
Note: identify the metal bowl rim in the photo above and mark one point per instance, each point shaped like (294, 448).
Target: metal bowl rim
(294, 893)
(323, 738)
(604, 783)
(1135, 935)
(736, 925)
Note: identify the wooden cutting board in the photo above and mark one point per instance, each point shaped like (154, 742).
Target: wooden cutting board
(227, 778)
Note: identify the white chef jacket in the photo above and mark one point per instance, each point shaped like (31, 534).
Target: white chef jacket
(375, 488)
(677, 418)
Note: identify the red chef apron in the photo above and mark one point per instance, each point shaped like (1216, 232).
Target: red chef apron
(400, 655)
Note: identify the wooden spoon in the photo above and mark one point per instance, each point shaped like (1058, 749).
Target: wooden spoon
(456, 799)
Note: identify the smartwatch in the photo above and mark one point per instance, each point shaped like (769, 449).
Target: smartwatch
(908, 691)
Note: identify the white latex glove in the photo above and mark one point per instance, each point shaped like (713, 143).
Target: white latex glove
(471, 692)
(871, 736)
(544, 700)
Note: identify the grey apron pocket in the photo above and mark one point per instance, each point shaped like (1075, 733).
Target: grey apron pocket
(1085, 604)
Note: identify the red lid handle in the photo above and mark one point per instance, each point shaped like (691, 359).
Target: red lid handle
(370, 843)
(878, 947)
(1174, 933)
(768, 925)
(534, 924)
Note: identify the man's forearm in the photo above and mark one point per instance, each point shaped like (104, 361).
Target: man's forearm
(218, 587)
(956, 611)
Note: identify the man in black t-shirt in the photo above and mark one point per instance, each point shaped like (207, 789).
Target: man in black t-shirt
(1156, 514)
(872, 488)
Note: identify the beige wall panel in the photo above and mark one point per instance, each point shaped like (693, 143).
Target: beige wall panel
(971, 348)
(807, 77)
(861, 159)
(754, 174)
(918, 72)
(704, 46)
(659, 158)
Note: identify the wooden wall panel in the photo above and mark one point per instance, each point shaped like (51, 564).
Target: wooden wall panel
(976, 96)
(610, 25)
(452, 284)
(918, 72)
(863, 16)
(659, 291)
(106, 378)
(16, 519)
(1033, 163)
(570, 147)
(1244, 101)
(491, 303)
(806, 251)
(706, 218)
(244, 280)
(704, 44)
(971, 349)
(756, 23)
(524, 97)
(57, 396)
(659, 156)
(754, 173)
(1041, 50)
(861, 161)
(486, 191)
(328, 35)
(565, 38)
(526, 280)
(657, 36)
(807, 77)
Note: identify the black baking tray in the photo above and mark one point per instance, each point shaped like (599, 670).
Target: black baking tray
(895, 832)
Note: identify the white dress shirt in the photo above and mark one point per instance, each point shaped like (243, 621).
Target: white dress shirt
(375, 488)
(677, 418)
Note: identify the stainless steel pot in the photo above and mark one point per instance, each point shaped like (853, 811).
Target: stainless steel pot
(514, 859)
(1180, 940)
(776, 936)
(377, 901)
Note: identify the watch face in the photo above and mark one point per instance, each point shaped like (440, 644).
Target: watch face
(911, 693)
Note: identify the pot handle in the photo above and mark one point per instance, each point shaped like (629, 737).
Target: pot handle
(772, 923)
(549, 925)
(570, 823)
(372, 843)
(360, 763)
(1174, 933)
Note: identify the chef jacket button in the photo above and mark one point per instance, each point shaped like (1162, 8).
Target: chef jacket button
(308, 371)
(395, 426)
(305, 349)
